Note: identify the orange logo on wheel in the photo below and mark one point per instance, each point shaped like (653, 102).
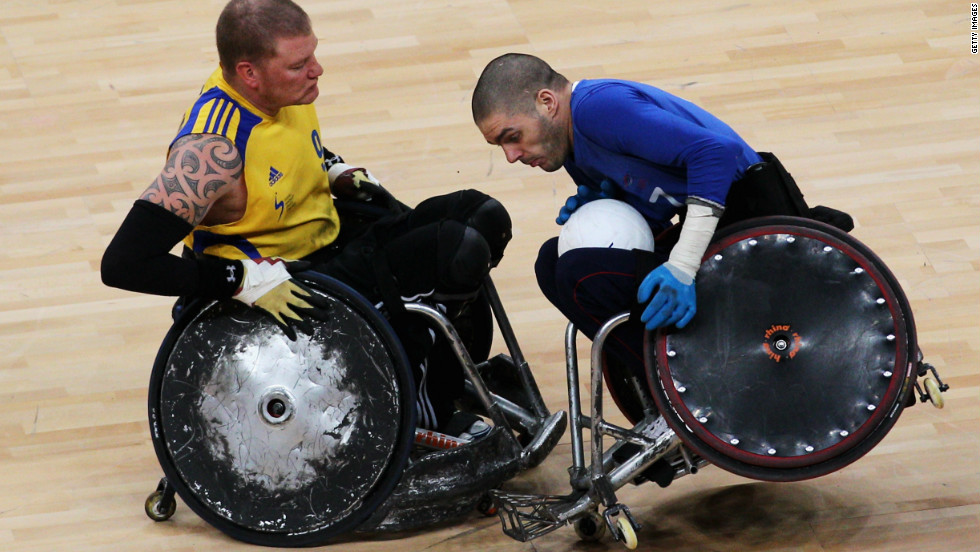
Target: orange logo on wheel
(781, 342)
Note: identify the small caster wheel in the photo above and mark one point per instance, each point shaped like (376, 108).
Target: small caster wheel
(159, 507)
(486, 506)
(591, 527)
(932, 390)
(626, 533)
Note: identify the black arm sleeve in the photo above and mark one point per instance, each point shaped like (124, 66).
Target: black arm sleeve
(139, 259)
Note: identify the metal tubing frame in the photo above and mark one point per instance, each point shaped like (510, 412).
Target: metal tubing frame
(518, 414)
(537, 421)
(575, 421)
(599, 427)
(652, 449)
(482, 393)
(619, 476)
(594, 485)
(503, 323)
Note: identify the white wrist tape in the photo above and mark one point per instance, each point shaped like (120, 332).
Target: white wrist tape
(336, 170)
(696, 234)
(261, 277)
(340, 168)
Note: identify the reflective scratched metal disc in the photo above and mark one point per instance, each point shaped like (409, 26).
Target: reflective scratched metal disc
(275, 435)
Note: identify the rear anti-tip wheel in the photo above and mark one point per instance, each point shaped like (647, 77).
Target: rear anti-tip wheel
(626, 533)
(486, 506)
(159, 507)
(591, 527)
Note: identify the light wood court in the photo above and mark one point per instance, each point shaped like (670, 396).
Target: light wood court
(873, 105)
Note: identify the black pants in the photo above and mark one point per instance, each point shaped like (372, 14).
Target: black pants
(435, 252)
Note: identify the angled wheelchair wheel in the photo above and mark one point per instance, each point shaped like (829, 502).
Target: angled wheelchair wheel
(283, 443)
(800, 358)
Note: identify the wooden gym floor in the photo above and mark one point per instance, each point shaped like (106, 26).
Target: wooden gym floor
(873, 105)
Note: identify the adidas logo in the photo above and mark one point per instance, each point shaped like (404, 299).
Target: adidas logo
(274, 176)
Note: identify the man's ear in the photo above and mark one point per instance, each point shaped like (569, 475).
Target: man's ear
(247, 73)
(546, 101)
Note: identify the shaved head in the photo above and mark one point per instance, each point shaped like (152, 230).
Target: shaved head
(510, 83)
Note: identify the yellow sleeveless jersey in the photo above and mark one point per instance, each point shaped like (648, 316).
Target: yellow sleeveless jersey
(289, 212)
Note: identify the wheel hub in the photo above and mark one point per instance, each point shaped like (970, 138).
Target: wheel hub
(276, 406)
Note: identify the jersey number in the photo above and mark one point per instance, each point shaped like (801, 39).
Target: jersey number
(321, 151)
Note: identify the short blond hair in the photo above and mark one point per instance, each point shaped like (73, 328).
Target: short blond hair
(247, 30)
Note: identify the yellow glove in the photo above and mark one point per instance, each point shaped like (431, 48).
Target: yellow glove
(268, 285)
(357, 183)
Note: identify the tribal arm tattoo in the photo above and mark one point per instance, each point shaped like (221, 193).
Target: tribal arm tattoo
(199, 170)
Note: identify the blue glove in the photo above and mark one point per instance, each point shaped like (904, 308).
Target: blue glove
(673, 299)
(583, 195)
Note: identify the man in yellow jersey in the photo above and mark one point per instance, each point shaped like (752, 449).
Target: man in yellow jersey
(248, 183)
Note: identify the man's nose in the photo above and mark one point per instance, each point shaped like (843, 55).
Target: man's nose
(316, 70)
(512, 153)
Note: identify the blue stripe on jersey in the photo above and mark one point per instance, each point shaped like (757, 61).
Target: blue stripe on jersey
(248, 119)
(231, 115)
(204, 239)
(213, 125)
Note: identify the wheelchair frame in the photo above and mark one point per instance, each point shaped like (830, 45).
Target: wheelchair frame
(499, 456)
(526, 517)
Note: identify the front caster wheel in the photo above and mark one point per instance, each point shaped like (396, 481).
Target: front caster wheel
(626, 533)
(934, 393)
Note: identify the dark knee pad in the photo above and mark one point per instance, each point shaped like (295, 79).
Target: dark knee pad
(444, 257)
(463, 259)
(492, 221)
(472, 208)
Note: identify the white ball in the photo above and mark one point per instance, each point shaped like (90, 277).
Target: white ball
(605, 223)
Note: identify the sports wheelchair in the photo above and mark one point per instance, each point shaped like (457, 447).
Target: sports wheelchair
(297, 443)
(801, 358)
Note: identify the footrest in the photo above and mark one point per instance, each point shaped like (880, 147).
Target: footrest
(526, 517)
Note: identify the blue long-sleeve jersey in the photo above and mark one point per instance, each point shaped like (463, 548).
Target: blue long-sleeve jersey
(658, 149)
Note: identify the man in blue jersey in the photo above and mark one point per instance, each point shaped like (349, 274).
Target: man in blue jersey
(248, 183)
(664, 156)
